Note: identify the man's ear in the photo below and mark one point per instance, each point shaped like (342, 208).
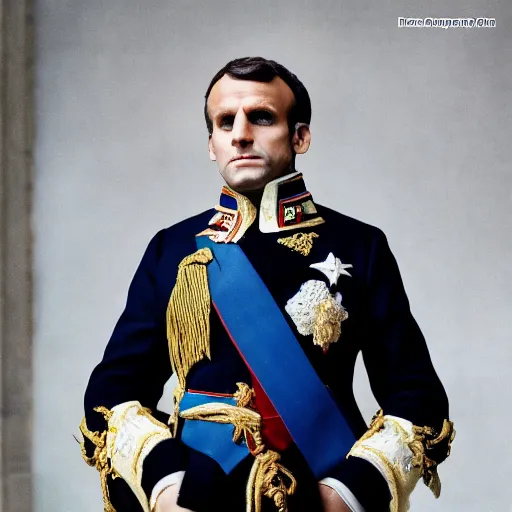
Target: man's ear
(301, 138)
(213, 157)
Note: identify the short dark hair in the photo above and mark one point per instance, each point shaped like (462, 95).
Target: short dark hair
(264, 70)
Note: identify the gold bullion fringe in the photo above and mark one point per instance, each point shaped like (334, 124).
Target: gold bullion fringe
(188, 314)
(327, 326)
(99, 460)
(300, 242)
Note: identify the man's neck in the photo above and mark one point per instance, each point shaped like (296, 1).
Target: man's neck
(254, 196)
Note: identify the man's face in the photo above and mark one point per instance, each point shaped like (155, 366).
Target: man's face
(250, 142)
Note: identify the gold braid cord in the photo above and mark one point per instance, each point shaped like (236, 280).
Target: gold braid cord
(99, 460)
(271, 479)
(268, 477)
(188, 315)
(397, 449)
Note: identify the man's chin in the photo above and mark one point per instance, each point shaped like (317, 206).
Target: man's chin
(250, 180)
(247, 180)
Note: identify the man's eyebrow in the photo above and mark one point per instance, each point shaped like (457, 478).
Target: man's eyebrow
(226, 111)
(223, 112)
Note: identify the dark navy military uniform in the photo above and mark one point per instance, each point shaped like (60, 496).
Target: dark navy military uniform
(136, 362)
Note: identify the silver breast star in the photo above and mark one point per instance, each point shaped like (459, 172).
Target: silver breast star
(332, 268)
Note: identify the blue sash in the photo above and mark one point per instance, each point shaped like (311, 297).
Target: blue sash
(212, 439)
(267, 343)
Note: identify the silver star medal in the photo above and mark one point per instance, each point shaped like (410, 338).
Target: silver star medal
(315, 310)
(332, 268)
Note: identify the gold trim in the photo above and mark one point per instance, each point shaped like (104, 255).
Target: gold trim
(141, 433)
(248, 213)
(174, 417)
(306, 224)
(423, 441)
(99, 460)
(378, 459)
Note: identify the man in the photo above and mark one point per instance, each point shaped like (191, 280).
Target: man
(260, 307)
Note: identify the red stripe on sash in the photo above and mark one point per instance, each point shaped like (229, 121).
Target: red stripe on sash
(274, 432)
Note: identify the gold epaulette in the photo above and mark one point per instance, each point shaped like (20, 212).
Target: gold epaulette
(188, 315)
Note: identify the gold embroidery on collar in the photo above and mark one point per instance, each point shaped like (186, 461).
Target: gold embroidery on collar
(299, 242)
(247, 214)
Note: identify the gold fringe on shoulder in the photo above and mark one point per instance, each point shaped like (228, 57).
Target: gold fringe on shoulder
(188, 314)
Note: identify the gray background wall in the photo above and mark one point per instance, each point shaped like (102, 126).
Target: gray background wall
(411, 132)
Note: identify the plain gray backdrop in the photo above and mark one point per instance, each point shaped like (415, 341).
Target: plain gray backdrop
(411, 131)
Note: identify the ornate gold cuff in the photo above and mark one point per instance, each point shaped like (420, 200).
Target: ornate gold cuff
(397, 448)
(131, 435)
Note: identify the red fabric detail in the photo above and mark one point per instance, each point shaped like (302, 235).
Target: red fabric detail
(274, 432)
(298, 211)
(210, 393)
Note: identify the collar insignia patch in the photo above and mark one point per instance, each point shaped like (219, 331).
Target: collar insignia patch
(285, 205)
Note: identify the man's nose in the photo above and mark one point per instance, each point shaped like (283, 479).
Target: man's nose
(242, 131)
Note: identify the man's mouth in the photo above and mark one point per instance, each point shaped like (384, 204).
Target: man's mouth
(245, 157)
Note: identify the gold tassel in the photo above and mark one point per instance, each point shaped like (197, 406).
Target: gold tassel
(188, 314)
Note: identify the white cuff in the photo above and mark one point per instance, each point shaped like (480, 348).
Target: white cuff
(345, 494)
(161, 485)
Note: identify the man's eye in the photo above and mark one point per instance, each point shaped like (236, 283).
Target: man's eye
(262, 117)
(226, 122)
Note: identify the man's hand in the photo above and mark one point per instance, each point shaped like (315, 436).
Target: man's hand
(166, 501)
(331, 500)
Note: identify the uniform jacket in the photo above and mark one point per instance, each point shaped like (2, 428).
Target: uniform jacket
(136, 364)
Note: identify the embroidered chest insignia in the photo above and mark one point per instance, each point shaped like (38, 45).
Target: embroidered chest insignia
(316, 310)
(300, 242)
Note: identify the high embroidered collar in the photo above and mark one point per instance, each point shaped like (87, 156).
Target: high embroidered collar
(286, 204)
